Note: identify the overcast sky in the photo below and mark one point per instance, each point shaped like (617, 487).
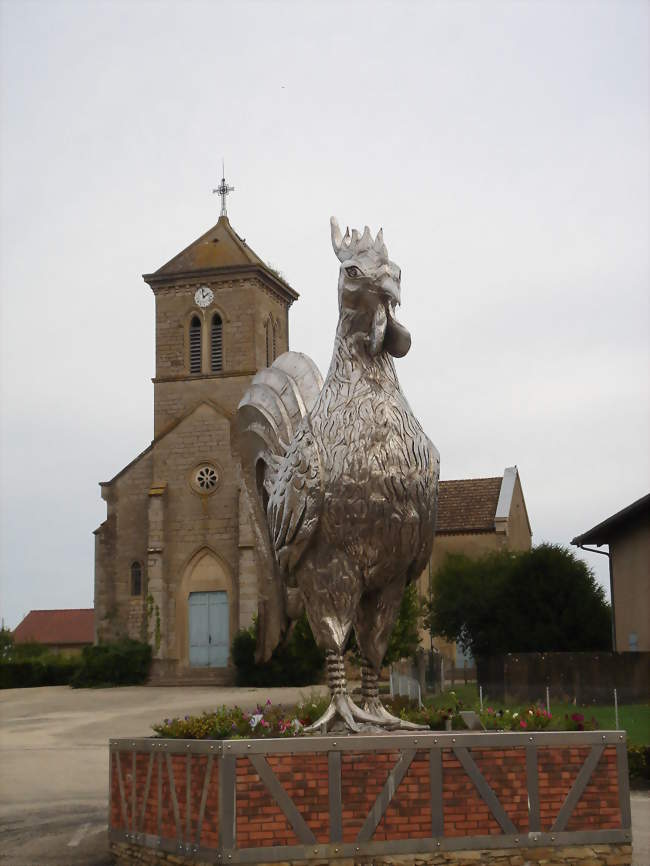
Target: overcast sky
(503, 146)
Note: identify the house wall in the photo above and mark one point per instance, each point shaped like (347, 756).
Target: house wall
(67, 649)
(514, 535)
(630, 562)
(519, 536)
(473, 544)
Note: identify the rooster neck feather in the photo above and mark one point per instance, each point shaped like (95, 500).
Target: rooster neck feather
(352, 359)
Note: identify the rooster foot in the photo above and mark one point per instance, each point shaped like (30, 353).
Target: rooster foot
(381, 716)
(342, 709)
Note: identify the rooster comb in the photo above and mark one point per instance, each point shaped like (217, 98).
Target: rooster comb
(350, 245)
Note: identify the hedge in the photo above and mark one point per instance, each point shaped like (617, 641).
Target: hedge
(48, 670)
(123, 663)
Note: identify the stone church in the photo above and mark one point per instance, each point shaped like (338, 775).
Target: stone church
(174, 559)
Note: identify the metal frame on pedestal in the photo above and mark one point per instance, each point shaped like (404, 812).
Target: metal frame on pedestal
(460, 744)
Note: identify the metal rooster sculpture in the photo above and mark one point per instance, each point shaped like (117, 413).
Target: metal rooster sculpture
(343, 484)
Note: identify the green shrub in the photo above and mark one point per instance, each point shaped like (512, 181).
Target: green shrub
(298, 662)
(29, 650)
(48, 669)
(122, 663)
(638, 759)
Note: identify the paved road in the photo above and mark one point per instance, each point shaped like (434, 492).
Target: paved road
(54, 761)
(54, 765)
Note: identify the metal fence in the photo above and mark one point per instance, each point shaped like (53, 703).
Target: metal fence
(403, 685)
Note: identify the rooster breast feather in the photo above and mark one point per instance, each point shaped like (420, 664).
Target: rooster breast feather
(281, 476)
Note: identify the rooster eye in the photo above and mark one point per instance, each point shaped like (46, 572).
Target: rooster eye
(353, 272)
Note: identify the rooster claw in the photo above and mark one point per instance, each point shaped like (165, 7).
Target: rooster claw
(343, 709)
(382, 717)
(373, 718)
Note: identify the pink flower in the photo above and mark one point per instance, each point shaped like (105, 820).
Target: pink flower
(523, 724)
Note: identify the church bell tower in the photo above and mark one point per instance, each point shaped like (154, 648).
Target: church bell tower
(221, 315)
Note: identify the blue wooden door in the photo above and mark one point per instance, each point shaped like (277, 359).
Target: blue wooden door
(209, 629)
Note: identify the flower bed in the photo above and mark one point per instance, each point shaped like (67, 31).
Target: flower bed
(234, 723)
(269, 721)
(535, 719)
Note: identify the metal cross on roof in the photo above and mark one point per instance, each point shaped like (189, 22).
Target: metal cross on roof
(223, 189)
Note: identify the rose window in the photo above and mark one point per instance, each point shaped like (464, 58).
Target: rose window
(205, 478)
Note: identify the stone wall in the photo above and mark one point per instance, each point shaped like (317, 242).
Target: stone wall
(120, 541)
(244, 306)
(568, 855)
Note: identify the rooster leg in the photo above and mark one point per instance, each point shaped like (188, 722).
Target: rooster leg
(374, 707)
(342, 708)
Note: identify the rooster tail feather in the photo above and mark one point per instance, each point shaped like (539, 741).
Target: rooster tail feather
(267, 417)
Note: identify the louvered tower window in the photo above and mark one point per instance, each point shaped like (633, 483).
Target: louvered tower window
(136, 578)
(195, 345)
(216, 344)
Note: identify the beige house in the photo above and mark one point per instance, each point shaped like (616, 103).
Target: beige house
(476, 516)
(174, 559)
(627, 533)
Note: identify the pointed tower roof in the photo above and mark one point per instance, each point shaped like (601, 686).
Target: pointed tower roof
(220, 250)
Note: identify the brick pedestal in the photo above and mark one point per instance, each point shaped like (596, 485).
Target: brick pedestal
(431, 798)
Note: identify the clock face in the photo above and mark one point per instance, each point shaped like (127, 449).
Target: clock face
(203, 296)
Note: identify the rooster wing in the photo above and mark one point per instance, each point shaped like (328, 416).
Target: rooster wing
(295, 490)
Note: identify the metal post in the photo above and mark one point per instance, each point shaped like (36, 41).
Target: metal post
(480, 696)
(548, 701)
(616, 709)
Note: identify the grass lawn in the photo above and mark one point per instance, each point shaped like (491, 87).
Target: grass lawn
(633, 718)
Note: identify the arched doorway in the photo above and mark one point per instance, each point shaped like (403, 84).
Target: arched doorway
(204, 612)
(208, 628)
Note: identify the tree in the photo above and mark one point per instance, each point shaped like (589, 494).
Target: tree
(405, 638)
(6, 643)
(540, 600)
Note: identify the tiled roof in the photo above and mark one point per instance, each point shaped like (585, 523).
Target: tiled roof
(468, 505)
(71, 626)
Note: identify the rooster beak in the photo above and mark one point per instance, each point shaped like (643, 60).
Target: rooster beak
(392, 290)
